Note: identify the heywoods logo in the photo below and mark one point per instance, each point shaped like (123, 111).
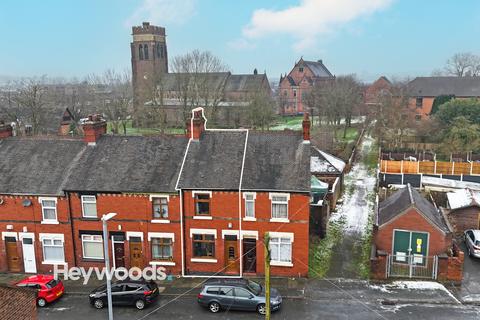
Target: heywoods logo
(75, 273)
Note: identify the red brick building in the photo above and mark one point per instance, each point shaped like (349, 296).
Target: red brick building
(294, 87)
(198, 204)
(376, 90)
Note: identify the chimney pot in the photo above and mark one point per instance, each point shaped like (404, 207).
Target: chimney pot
(93, 128)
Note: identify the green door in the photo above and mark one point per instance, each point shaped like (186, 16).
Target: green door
(401, 244)
(419, 245)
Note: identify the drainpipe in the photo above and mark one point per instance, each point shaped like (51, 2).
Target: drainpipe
(72, 229)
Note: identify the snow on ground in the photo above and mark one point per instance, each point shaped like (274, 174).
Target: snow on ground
(355, 204)
(412, 285)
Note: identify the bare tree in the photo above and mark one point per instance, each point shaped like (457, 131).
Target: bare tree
(117, 104)
(199, 82)
(32, 101)
(261, 110)
(463, 64)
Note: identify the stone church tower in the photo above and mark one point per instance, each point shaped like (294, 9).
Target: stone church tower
(149, 60)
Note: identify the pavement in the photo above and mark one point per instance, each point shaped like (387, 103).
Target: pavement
(469, 291)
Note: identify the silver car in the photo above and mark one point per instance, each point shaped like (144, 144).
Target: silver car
(472, 242)
(237, 294)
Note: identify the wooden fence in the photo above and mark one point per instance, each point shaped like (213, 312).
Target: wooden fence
(430, 167)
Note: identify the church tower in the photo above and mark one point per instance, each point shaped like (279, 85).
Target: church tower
(149, 59)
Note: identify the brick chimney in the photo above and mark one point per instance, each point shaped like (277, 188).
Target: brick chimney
(6, 130)
(93, 128)
(196, 126)
(306, 127)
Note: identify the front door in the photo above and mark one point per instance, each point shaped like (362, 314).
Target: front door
(119, 252)
(28, 249)
(232, 264)
(410, 245)
(250, 255)
(136, 252)
(13, 260)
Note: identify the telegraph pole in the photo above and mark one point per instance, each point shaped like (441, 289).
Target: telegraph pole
(267, 275)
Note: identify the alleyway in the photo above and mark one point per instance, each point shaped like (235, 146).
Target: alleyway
(353, 211)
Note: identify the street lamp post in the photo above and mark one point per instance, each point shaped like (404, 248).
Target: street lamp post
(105, 218)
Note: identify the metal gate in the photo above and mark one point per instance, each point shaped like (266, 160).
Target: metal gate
(412, 266)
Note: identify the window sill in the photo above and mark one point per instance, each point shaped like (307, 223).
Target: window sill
(206, 260)
(54, 262)
(279, 220)
(162, 263)
(160, 221)
(281, 264)
(90, 218)
(202, 217)
(49, 222)
(93, 260)
(249, 219)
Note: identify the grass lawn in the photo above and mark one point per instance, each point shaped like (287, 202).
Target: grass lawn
(352, 134)
(145, 131)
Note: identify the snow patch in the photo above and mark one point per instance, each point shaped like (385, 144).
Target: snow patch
(414, 285)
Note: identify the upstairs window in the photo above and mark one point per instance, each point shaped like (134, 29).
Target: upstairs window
(89, 206)
(140, 52)
(279, 206)
(300, 69)
(249, 205)
(202, 204)
(49, 210)
(419, 102)
(145, 51)
(160, 208)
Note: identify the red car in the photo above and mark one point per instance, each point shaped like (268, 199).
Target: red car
(48, 289)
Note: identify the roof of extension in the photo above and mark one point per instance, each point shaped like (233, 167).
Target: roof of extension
(325, 163)
(130, 164)
(437, 86)
(405, 198)
(37, 166)
(463, 198)
(273, 161)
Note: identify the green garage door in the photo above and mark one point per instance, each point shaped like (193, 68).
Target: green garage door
(401, 244)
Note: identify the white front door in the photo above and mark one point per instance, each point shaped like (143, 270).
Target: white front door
(29, 255)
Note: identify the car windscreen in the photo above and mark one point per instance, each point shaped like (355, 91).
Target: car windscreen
(254, 287)
(477, 243)
(52, 283)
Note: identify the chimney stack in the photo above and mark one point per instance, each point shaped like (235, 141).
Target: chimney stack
(197, 124)
(93, 128)
(6, 130)
(306, 127)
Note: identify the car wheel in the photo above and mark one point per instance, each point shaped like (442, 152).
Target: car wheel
(41, 302)
(214, 307)
(140, 304)
(98, 303)
(261, 309)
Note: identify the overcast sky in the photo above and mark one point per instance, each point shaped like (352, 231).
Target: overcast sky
(366, 37)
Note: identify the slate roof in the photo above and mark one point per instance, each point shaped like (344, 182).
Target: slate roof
(405, 198)
(37, 166)
(273, 162)
(245, 82)
(318, 69)
(436, 86)
(129, 164)
(214, 161)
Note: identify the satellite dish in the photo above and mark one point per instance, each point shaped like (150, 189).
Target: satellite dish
(26, 203)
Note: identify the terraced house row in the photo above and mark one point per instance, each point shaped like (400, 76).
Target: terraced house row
(197, 204)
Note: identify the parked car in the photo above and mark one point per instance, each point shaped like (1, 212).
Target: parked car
(127, 292)
(237, 294)
(48, 289)
(472, 242)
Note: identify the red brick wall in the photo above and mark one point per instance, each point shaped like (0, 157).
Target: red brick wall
(413, 221)
(134, 214)
(17, 304)
(224, 210)
(463, 219)
(13, 213)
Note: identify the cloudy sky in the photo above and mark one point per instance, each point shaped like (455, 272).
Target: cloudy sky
(367, 37)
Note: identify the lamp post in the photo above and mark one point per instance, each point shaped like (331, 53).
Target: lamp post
(105, 218)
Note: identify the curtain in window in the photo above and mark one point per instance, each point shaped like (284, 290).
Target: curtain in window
(53, 250)
(279, 210)
(93, 249)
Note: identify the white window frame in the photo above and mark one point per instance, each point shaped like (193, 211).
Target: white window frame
(287, 196)
(279, 236)
(94, 241)
(48, 221)
(52, 237)
(254, 196)
(82, 198)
